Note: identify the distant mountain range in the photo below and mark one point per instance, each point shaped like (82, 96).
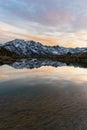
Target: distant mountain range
(25, 49)
(31, 48)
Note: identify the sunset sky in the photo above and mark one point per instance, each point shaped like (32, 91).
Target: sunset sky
(52, 22)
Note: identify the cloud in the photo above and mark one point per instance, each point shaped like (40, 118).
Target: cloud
(56, 13)
(38, 18)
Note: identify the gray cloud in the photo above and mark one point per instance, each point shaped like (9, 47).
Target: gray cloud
(36, 17)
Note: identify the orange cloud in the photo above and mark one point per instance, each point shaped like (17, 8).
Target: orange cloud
(63, 39)
(10, 35)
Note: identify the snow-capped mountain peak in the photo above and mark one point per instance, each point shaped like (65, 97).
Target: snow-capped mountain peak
(30, 48)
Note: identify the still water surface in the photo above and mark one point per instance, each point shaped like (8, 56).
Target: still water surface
(46, 98)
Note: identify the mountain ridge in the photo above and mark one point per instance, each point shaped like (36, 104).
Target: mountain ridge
(32, 48)
(21, 49)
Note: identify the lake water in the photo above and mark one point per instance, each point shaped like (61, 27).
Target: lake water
(43, 98)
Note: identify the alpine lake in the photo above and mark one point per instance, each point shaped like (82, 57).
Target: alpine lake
(36, 95)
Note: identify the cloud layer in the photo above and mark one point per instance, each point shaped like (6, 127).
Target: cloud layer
(43, 20)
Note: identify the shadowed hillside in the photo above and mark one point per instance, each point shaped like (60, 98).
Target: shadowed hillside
(71, 58)
(5, 52)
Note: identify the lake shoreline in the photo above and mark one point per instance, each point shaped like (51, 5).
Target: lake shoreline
(79, 59)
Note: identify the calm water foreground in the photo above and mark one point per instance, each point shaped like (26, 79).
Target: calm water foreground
(46, 98)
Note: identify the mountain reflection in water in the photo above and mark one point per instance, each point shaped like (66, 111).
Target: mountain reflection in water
(36, 63)
(47, 98)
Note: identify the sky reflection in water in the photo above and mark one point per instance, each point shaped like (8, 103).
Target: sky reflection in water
(76, 75)
(44, 98)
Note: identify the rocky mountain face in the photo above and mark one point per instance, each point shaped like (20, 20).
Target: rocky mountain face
(31, 48)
